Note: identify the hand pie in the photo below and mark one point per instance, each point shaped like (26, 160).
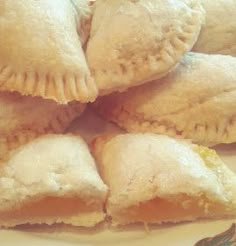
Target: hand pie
(22, 118)
(52, 179)
(156, 179)
(132, 42)
(41, 49)
(197, 101)
(218, 35)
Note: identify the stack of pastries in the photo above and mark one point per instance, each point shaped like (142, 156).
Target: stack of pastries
(162, 71)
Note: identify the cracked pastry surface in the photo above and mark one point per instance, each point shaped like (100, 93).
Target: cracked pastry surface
(132, 42)
(155, 179)
(41, 49)
(218, 34)
(196, 101)
(22, 118)
(52, 179)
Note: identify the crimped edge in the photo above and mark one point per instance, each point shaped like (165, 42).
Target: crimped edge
(63, 88)
(163, 61)
(220, 133)
(58, 125)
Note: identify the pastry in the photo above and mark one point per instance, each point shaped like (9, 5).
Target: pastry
(52, 179)
(218, 34)
(155, 179)
(196, 101)
(132, 42)
(41, 49)
(22, 118)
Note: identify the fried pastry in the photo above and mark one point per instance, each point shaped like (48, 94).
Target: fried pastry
(52, 179)
(41, 49)
(218, 34)
(132, 42)
(196, 101)
(22, 118)
(155, 179)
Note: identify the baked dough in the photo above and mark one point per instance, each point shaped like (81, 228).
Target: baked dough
(52, 179)
(23, 118)
(197, 101)
(41, 49)
(156, 179)
(218, 34)
(132, 42)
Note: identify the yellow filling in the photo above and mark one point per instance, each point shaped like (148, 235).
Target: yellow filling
(209, 156)
(54, 207)
(176, 209)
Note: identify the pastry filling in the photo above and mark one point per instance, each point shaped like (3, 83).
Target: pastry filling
(162, 210)
(50, 207)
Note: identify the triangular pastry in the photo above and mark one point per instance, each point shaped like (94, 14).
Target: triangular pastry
(132, 42)
(218, 34)
(52, 179)
(22, 118)
(197, 101)
(41, 49)
(156, 179)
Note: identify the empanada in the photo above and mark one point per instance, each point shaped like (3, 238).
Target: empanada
(41, 49)
(52, 179)
(22, 118)
(218, 34)
(197, 101)
(132, 42)
(156, 179)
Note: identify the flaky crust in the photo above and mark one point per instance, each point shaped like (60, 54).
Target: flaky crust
(141, 167)
(22, 118)
(196, 101)
(132, 42)
(41, 49)
(54, 166)
(218, 34)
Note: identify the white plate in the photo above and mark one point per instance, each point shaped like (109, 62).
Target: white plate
(171, 235)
